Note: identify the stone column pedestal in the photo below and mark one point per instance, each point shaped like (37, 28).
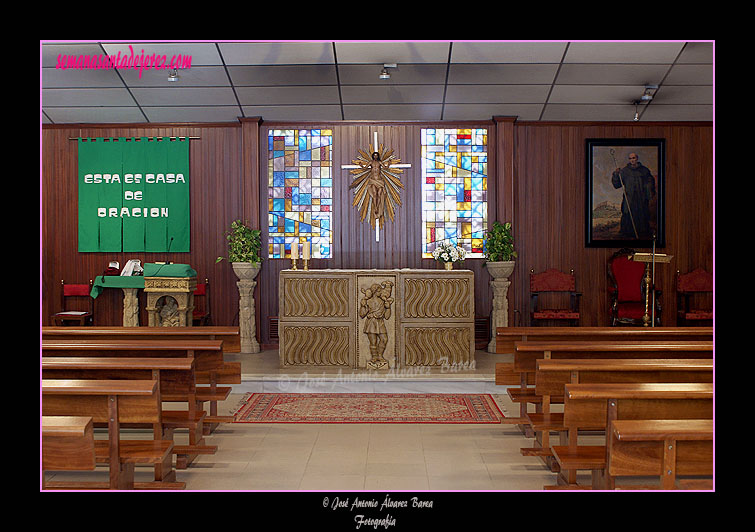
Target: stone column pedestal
(246, 272)
(499, 317)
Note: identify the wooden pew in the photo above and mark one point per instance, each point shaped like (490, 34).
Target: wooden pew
(666, 448)
(230, 335)
(207, 355)
(67, 444)
(211, 369)
(596, 406)
(176, 382)
(528, 353)
(114, 402)
(552, 375)
(506, 337)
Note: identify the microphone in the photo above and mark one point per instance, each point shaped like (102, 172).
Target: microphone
(168, 251)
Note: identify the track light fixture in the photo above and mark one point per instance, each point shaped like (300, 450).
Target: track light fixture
(173, 75)
(384, 74)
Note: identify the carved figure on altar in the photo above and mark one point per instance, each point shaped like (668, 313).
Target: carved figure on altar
(375, 308)
(169, 313)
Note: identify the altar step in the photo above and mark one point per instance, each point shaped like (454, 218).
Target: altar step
(364, 382)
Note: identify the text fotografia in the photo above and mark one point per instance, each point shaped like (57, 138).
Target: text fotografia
(140, 61)
(387, 504)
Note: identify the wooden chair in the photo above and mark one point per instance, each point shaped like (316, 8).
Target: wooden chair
(553, 280)
(626, 290)
(691, 310)
(201, 314)
(79, 317)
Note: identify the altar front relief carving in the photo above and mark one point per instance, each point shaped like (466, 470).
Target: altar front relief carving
(376, 319)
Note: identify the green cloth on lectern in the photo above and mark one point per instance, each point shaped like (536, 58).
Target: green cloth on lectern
(115, 281)
(137, 281)
(168, 270)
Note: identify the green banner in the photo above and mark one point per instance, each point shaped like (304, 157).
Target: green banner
(134, 194)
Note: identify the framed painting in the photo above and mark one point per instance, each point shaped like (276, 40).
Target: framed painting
(625, 188)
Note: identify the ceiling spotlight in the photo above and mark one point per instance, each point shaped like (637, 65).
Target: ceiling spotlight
(649, 92)
(384, 74)
(636, 113)
(173, 75)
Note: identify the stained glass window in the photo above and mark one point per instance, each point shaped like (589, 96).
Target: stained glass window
(454, 189)
(300, 191)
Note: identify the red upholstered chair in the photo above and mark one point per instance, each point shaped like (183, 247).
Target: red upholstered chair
(201, 314)
(693, 306)
(70, 291)
(627, 290)
(553, 280)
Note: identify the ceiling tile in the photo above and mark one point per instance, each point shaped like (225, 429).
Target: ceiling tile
(395, 94)
(607, 74)
(208, 76)
(402, 74)
(594, 94)
(462, 74)
(105, 97)
(588, 112)
(684, 95)
(623, 52)
(690, 75)
(523, 111)
(697, 52)
(507, 52)
(392, 52)
(295, 112)
(94, 115)
(193, 114)
(59, 78)
(678, 112)
(181, 96)
(51, 52)
(392, 112)
(288, 95)
(200, 54)
(276, 53)
(497, 93)
(283, 75)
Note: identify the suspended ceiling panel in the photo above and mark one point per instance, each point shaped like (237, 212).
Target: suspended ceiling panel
(330, 81)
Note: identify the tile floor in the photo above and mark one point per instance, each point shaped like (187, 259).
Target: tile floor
(414, 457)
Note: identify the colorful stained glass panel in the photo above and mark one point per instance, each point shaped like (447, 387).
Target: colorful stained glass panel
(300, 192)
(454, 189)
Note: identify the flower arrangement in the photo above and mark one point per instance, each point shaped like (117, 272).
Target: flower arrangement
(244, 243)
(446, 252)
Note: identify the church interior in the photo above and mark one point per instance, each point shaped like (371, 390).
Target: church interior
(358, 267)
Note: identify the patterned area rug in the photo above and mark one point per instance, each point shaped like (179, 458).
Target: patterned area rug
(367, 408)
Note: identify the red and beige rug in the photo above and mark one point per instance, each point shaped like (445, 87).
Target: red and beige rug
(367, 408)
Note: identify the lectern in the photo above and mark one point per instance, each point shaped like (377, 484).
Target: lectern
(650, 259)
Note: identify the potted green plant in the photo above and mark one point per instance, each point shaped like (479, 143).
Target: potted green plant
(498, 248)
(244, 245)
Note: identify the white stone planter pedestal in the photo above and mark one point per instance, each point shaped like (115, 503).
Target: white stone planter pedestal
(246, 272)
(500, 272)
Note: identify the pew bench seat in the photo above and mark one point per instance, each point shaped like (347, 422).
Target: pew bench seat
(664, 448)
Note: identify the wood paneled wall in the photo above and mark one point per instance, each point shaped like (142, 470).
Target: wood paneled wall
(549, 216)
(536, 180)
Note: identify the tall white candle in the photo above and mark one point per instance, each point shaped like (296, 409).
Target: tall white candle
(377, 230)
(375, 144)
(306, 248)
(294, 250)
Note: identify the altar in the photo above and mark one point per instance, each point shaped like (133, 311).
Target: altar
(376, 319)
